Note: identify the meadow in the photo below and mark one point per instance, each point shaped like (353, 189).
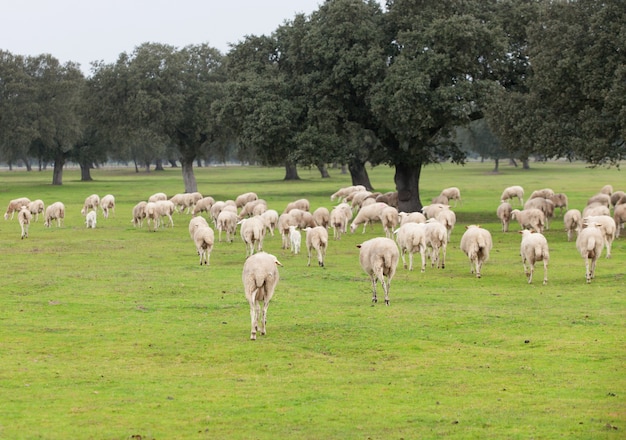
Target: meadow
(118, 333)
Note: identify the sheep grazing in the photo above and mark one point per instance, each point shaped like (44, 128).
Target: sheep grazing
(253, 205)
(447, 217)
(244, 198)
(227, 222)
(440, 200)
(338, 221)
(545, 193)
(260, 277)
(379, 259)
(157, 196)
(618, 198)
(560, 201)
(608, 226)
(302, 204)
(107, 204)
(607, 189)
(573, 222)
(152, 215)
(15, 205)
(342, 193)
(270, 218)
(511, 192)
(368, 214)
(412, 217)
(91, 220)
(139, 213)
(24, 217)
(195, 223)
(302, 219)
(504, 214)
(321, 216)
(589, 243)
(390, 198)
(295, 239)
(390, 219)
(411, 238)
(165, 208)
(317, 238)
(600, 199)
(532, 218)
(183, 202)
(252, 233)
(203, 205)
(476, 243)
(204, 238)
(619, 217)
(544, 205)
(91, 202)
(36, 207)
(55, 211)
(596, 209)
(437, 241)
(452, 193)
(534, 247)
(431, 211)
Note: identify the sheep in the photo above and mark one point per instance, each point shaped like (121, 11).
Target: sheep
(545, 193)
(390, 219)
(152, 215)
(596, 209)
(447, 217)
(359, 198)
(55, 211)
(476, 243)
(607, 189)
(411, 238)
(513, 191)
(560, 201)
(431, 211)
(302, 204)
(36, 207)
(608, 226)
(248, 209)
(270, 218)
(107, 204)
(91, 220)
(203, 205)
(244, 198)
(534, 247)
(544, 205)
(303, 219)
(195, 223)
(259, 209)
(573, 222)
(412, 217)
(260, 277)
(24, 217)
(529, 218)
(618, 198)
(440, 200)
(317, 238)
(321, 216)
(437, 241)
(589, 243)
(504, 214)
(284, 221)
(91, 202)
(452, 193)
(390, 198)
(182, 202)
(157, 196)
(379, 259)
(15, 205)
(366, 215)
(252, 233)
(166, 208)
(601, 199)
(342, 193)
(295, 239)
(227, 221)
(204, 238)
(338, 221)
(619, 217)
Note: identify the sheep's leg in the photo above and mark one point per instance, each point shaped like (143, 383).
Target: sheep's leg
(410, 260)
(320, 256)
(608, 248)
(422, 252)
(373, 281)
(587, 270)
(266, 304)
(443, 257)
(386, 286)
(530, 274)
(545, 271)
(402, 252)
(478, 266)
(309, 253)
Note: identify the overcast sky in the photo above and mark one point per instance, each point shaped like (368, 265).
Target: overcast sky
(85, 30)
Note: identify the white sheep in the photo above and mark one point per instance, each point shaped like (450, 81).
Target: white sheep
(295, 239)
(244, 198)
(390, 198)
(342, 193)
(55, 211)
(589, 243)
(24, 217)
(607, 189)
(270, 218)
(302, 204)
(203, 205)
(91, 202)
(139, 213)
(36, 207)
(368, 214)
(252, 233)
(532, 218)
(447, 217)
(437, 241)
(608, 226)
(545, 193)
(227, 222)
(389, 218)
(619, 216)
(573, 222)
(321, 216)
(601, 199)
(411, 238)
(618, 198)
(412, 217)
(152, 215)
(303, 219)
(440, 200)
(534, 247)
(204, 238)
(513, 191)
(107, 204)
(338, 221)
(379, 259)
(182, 202)
(284, 221)
(504, 214)
(166, 208)
(260, 277)
(157, 196)
(544, 205)
(359, 198)
(560, 201)
(195, 223)
(431, 211)
(15, 205)
(476, 243)
(317, 238)
(249, 208)
(595, 209)
(91, 220)
(452, 193)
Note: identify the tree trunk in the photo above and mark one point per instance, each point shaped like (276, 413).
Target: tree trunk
(158, 166)
(496, 166)
(57, 174)
(525, 164)
(359, 174)
(291, 172)
(172, 163)
(407, 180)
(344, 169)
(323, 171)
(188, 177)
(85, 172)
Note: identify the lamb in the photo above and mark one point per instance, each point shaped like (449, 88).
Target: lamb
(379, 259)
(513, 191)
(107, 204)
(252, 233)
(24, 217)
(260, 277)
(534, 247)
(437, 241)
(91, 202)
(157, 196)
(390, 219)
(573, 221)
(204, 238)
(295, 239)
(504, 214)
(476, 243)
(55, 211)
(411, 238)
(366, 215)
(412, 217)
(195, 223)
(270, 218)
(227, 221)
(317, 238)
(452, 193)
(447, 217)
(36, 207)
(244, 198)
(544, 205)
(608, 226)
(619, 217)
(203, 205)
(15, 205)
(302, 204)
(338, 222)
(91, 220)
(529, 218)
(589, 243)
(321, 216)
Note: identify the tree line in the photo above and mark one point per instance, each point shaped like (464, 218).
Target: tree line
(415, 83)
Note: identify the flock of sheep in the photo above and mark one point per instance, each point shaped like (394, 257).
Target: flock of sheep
(427, 232)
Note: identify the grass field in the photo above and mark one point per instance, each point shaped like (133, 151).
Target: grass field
(118, 333)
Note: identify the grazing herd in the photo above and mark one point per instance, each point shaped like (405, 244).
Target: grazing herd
(427, 233)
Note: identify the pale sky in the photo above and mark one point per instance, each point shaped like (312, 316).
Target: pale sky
(85, 30)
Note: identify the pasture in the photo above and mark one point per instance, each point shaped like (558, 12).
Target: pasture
(118, 333)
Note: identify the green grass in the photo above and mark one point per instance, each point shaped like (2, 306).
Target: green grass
(118, 332)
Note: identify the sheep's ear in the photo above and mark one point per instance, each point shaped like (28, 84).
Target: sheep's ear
(359, 246)
(278, 263)
(466, 226)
